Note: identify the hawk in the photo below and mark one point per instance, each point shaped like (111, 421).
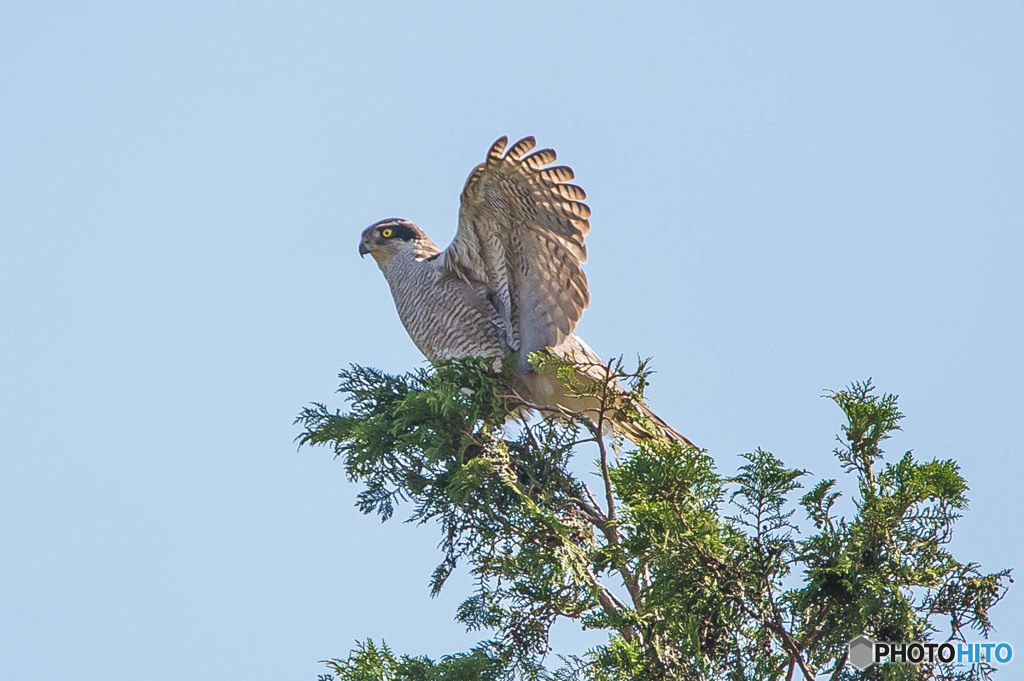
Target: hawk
(510, 282)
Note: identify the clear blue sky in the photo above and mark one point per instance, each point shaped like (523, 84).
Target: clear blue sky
(786, 197)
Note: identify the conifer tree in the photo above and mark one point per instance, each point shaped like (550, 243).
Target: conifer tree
(694, 574)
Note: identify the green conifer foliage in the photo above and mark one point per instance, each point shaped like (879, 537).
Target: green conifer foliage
(693, 574)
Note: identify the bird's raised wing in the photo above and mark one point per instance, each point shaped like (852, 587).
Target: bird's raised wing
(521, 231)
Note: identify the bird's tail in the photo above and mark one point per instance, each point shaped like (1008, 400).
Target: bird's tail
(627, 415)
(649, 425)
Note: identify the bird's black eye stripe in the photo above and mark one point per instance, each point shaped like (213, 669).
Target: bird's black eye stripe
(398, 231)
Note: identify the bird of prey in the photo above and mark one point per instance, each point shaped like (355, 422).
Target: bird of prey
(510, 282)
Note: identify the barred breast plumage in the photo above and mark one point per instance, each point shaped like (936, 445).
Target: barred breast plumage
(446, 317)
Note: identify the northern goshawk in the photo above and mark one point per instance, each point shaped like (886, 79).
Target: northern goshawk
(510, 282)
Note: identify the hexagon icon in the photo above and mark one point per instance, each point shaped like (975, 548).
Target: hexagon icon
(861, 652)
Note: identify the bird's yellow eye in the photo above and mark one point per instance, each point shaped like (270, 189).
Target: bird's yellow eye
(386, 232)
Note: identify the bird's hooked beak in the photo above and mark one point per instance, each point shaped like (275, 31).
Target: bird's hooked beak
(363, 250)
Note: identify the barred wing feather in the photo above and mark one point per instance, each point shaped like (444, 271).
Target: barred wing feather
(521, 231)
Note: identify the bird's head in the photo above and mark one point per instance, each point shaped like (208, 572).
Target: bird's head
(393, 237)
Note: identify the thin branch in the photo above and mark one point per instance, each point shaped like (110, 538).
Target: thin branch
(614, 537)
(569, 415)
(593, 499)
(608, 490)
(611, 604)
(840, 665)
(593, 514)
(791, 647)
(814, 626)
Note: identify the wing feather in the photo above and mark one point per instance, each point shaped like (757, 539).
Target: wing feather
(522, 147)
(557, 174)
(521, 232)
(569, 191)
(541, 158)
